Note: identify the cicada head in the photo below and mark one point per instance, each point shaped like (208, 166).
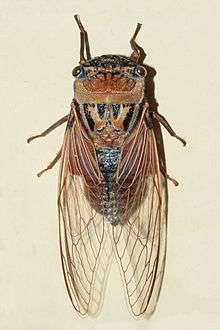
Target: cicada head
(109, 79)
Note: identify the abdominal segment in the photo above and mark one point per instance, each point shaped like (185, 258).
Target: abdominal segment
(109, 207)
(115, 199)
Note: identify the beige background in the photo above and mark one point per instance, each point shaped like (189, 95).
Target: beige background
(39, 46)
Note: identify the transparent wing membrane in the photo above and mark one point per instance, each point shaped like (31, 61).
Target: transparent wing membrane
(88, 241)
(86, 251)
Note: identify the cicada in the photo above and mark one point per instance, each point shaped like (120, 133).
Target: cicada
(112, 195)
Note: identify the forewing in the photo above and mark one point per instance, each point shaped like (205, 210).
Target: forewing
(85, 249)
(140, 242)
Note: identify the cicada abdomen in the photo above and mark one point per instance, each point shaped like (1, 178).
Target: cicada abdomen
(112, 196)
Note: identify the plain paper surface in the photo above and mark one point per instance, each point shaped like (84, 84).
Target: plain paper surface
(39, 45)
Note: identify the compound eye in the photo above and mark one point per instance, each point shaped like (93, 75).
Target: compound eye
(76, 71)
(141, 71)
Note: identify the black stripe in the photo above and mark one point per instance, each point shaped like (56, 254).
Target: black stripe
(88, 116)
(128, 117)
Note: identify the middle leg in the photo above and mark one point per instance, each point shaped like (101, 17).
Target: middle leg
(51, 165)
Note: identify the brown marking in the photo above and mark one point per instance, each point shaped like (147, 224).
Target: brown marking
(109, 138)
(108, 85)
(100, 92)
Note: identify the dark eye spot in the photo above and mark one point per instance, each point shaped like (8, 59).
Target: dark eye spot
(76, 71)
(141, 71)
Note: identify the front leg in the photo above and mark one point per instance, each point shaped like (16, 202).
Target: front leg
(70, 119)
(50, 129)
(165, 124)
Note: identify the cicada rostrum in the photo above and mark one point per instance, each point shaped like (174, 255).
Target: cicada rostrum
(112, 196)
